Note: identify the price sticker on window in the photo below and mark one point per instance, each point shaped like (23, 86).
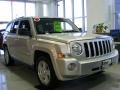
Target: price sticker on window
(37, 19)
(57, 26)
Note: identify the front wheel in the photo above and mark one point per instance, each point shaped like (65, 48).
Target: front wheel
(45, 72)
(7, 57)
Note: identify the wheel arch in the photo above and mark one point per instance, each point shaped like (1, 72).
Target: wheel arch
(40, 52)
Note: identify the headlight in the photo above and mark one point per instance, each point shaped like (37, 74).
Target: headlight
(77, 49)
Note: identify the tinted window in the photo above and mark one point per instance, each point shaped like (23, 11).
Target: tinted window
(24, 24)
(24, 28)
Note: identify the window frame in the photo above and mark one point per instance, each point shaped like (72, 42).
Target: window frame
(9, 24)
(12, 27)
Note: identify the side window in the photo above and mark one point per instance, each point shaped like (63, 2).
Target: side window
(24, 24)
(24, 28)
(15, 27)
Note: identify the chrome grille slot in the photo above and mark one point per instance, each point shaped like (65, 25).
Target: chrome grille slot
(86, 50)
(91, 49)
(104, 48)
(109, 46)
(101, 49)
(97, 48)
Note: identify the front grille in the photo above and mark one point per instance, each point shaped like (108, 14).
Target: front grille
(97, 48)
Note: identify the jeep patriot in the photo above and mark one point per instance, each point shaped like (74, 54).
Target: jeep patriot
(57, 49)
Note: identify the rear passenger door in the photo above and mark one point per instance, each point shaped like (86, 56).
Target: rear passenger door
(23, 42)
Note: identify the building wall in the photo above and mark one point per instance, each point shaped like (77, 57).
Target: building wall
(51, 8)
(100, 11)
(39, 9)
(117, 14)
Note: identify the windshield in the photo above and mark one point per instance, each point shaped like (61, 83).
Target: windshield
(54, 25)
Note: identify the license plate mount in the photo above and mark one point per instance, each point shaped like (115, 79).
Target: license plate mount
(106, 63)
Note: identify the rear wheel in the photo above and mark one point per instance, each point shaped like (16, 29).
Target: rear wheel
(45, 72)
(8, 60)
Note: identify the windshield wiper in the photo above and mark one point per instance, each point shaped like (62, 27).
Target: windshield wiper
(70, 31)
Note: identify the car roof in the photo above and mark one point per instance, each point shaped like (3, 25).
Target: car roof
(20, 18)
(40, 17)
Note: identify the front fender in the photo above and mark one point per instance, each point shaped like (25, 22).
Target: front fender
(53, 55)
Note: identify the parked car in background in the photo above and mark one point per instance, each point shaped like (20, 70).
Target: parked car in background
(1, 38)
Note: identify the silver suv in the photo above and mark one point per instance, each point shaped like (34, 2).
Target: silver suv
(57, 49)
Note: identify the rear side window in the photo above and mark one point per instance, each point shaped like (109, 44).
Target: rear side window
(24, 28)
(15, 27)
(24, 24)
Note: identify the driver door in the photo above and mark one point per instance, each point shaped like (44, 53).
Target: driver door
(24, 42)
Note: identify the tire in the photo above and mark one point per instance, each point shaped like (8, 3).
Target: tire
(45, 72)
(8, 59)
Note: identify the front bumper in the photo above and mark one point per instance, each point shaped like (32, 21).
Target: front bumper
(86, 67)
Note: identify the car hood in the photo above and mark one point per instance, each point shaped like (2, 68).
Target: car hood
(68, 37)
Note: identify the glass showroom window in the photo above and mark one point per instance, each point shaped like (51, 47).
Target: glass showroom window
(30, 9)
(6, 14)
(85, 11)
(74, 10)
(85, 23)
(85, 8)
(60, 9)
(68, 9)
(45, 10)
(18, 9)
(78, 13)
(78, 22)
(3, 26)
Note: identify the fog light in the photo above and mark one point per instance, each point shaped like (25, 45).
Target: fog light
(72, 66)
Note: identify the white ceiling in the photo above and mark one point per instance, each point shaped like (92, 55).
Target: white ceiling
(41, 1)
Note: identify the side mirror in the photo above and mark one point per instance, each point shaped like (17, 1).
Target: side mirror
(80, 29)
(24, 32)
